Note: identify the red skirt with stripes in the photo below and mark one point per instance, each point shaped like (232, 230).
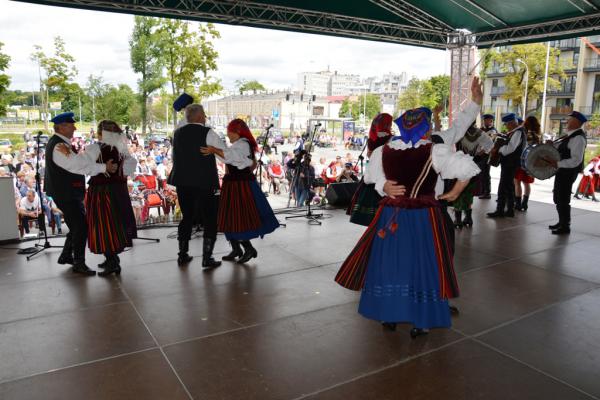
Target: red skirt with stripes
(110, 218)
(237, 208)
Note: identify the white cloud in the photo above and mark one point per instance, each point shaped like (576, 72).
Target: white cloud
(99, 42)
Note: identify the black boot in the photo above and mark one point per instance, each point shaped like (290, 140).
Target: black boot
(111, 266)
(183, 256)
(564, 220)
(524, 205)
(79, 267)
(415, 332)
(518, 205)
(236, 251)
(208, 262)
(104, 263)
(458, 219)
(66, 257)
(249, 252)
(468, 221)
(496, 214)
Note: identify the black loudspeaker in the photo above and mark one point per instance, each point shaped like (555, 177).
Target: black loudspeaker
(287, 97)
(314, 98)
(340, 194)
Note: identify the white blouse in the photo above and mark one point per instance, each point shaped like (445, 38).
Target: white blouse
(448, 163)
(129, 162)
(238, 154)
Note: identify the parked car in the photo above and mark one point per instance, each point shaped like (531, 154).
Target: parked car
(6, 146)
(44, 140)
(276, 135)
(158, 138)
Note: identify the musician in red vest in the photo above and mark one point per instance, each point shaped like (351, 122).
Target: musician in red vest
(571, 148)
(64, 181)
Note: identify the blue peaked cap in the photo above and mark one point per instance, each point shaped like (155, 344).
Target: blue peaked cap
(64, 117)
(182, 102)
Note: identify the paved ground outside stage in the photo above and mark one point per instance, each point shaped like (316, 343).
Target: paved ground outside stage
(280, 328)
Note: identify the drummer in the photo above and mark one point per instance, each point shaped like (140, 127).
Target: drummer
(571, 148)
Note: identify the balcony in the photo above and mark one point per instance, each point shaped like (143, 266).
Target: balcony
(495, 72)
(565, 90)
(592, 65)
(566, 44)
(497, 90)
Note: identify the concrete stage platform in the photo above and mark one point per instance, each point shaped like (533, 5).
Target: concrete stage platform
(280, 328)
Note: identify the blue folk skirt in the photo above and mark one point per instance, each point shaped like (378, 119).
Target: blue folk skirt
(402, 282)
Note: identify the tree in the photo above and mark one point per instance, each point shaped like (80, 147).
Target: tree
(425, 93)
(4, 80)
(534, 55)
(117, 104)
(412, 96)
(58, 70)
(353, 108)
(146, 60)
(245, 86)
(95, 89)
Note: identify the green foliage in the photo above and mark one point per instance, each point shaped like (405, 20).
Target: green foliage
(425, 93)
(58, 69)
(245, 86)
(146, 60)
(188, 56)
(354, 108)
(4, 80)
(534, 55)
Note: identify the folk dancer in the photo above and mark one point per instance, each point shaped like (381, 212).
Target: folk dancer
(477, 144)
(64, 181)
(509, 149)
(403, 262)
(196, 179)
(110, 217)
(534, 136)
(244, 212)
(365, 200)
(589, 180)
(486, 180)
(571, 148)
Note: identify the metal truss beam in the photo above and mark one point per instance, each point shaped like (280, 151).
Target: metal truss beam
(413, 14)
(268, 16)
(542, 31)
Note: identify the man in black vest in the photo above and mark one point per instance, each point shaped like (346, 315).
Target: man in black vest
(486, 180)
(510, 159)
(197, 182)
(64, 180)
(571, 148)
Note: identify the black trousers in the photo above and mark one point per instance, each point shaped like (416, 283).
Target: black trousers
(506, 188)
(192, 199)
(74, 215)
(486, 179)
(561, 194)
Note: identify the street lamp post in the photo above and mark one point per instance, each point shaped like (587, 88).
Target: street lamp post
(526, 83)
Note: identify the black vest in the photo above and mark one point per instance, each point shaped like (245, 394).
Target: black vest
(190, 167)
(514, 159)
(58, 182)
(565, 152)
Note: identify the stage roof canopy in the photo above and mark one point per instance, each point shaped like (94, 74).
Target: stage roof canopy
(427, 23)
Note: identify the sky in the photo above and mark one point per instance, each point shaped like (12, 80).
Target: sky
(99, 41)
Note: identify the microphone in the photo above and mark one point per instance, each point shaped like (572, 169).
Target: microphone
(319, 124)
(40, 133)
(269, 127)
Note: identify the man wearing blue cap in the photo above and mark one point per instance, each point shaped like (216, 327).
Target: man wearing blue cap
(486, 179)
(180, 104)
(571, 148)
(64, 181)
(510, 149)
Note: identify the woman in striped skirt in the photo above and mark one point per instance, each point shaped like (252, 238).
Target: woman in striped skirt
(110, 217)
(244, 212)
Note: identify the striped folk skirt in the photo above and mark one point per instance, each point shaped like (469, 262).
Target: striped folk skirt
(110, 218)
(404, 266)
(244, 212)
(364, 204)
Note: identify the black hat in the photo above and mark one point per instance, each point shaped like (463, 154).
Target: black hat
(182, 102)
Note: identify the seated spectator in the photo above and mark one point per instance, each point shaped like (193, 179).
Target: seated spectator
(137, 201)
(29, 185)
(276, 175)
(29, 209)
(53, 214)
(348, 174)
(142, 168)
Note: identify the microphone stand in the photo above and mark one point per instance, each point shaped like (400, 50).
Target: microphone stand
(313, 219)
(260, 163)
(33, 251)
(360, 159)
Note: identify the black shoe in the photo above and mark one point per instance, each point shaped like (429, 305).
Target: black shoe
(249, 254)
(104, 263)
(518, 205)
(236, 251)
(577, 197)
(414, 332)
(458, 219)
(525, 203)
(453, 310)
(111, 266)
(510, 213)
(390, 326)
(561, 231)
(485, 197)
(495, 214)
(83, 269)
(468, 221)
(210, 263)
(595, 200)
(555, 226)
(65, 258)
(59, 231)
(183, 259)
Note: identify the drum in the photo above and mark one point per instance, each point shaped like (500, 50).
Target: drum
(534, 160)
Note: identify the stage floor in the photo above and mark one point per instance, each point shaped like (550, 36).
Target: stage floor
(281, 328)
